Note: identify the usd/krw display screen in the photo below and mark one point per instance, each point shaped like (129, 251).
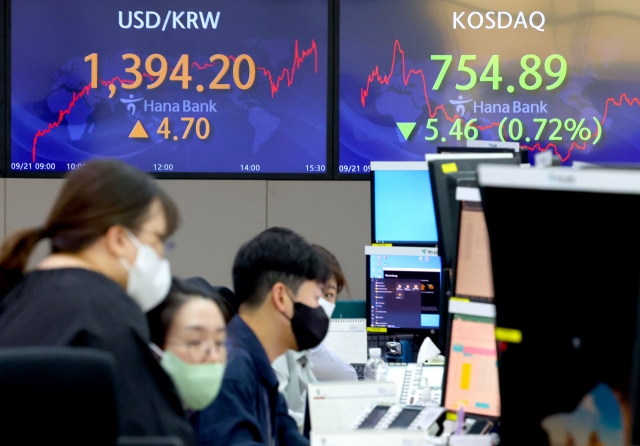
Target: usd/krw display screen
(553, 76)
(233, 87)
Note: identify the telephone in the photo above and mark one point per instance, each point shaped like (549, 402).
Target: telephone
(413, 379)
(401, 416)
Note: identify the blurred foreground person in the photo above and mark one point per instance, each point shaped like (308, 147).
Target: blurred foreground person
(107, 231)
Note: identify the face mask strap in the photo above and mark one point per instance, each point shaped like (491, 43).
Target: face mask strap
(157, 350)
(125, 263)
(133, 238)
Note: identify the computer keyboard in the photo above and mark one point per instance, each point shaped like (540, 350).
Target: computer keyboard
(359, 370)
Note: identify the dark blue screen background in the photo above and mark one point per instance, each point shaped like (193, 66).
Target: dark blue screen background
(260, 129)
(598, 43)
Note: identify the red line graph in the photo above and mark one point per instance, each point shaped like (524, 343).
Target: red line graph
(288, 74)
(61, 115)
(375, 76)
(384, 80)
(574, 145)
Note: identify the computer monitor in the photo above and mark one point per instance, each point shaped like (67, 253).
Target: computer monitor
(471, 369)
(404, 292)
(445, 175)
(447, 208)
(402, 204)
(570, 321)
(473, 277)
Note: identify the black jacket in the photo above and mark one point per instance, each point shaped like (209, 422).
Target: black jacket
(249, 410)
(77, 307)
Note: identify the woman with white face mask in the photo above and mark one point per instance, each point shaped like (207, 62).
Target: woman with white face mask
(107, 232)
(295, 370)
(188, 335)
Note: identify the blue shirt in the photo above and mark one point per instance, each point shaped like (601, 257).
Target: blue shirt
(249, 410)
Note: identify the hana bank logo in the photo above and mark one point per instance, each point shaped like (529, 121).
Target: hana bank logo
(459, 103)
(131, 103)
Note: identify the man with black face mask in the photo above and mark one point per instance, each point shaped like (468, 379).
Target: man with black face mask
(278, 280)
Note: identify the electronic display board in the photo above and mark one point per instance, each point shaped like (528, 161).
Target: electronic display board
(552, 75)
(179, 87)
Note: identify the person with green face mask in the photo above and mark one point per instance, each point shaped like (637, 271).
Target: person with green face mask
(188, 334)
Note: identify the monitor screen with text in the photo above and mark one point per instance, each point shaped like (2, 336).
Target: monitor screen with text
(404, 291)
(472, 368)
(474, 277)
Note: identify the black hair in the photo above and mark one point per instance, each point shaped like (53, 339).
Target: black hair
(99, 195)
(275, 255)
(161, 317)
(336, 269)
(223, 296)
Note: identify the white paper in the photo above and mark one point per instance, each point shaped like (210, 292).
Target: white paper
(428, 350)
(347, 339)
